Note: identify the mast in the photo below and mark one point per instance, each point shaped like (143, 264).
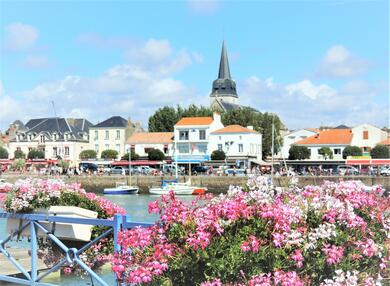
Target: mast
(272, 149)
(130, 165)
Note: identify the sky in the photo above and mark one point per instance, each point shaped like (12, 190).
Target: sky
(311, 62)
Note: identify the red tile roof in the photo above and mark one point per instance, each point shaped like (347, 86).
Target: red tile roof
(151, 137)
(384, 142)
(194, 121)
(329, 137)
(234, 129)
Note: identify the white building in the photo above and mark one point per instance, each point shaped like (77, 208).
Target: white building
(237, 142)
(367, 136)
(192, 137)
(335, 139)
(142, 142)
(292, 137)
(112, 134)
(56, 137)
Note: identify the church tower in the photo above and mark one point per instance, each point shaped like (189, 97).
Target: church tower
(224, 88)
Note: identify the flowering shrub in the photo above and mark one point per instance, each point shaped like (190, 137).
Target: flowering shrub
(26, 195)
(334, 234)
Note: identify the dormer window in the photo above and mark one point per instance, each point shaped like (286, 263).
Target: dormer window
(55, 136)
(42, 139)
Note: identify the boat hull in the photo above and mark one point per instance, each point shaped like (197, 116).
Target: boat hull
(166, 190)
(120, 191)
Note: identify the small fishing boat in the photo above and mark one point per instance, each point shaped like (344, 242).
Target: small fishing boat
(121, 189)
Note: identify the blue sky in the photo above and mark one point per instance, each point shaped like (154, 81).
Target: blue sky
(311, 62)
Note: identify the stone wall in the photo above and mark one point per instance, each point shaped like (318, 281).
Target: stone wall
(214, 184)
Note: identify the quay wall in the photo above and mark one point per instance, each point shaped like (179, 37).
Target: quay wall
(215, 184)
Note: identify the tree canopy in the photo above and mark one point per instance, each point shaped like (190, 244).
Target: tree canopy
(109, 154)
(351, 151)
(165, 118)
(18, 154)
(3, 153)
(156, 154)
(35, 154)
(134, 156)
(298, 153)
(380, 152)
(326, 152)
(218, 155)
(88, 154)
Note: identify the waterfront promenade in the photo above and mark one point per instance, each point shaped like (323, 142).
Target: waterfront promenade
(215, 184)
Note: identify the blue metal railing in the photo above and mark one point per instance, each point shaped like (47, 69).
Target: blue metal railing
(33, 221)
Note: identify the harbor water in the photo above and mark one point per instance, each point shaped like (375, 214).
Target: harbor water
(135, 205)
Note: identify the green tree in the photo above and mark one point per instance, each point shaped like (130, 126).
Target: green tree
(35, 154)
(156, 155)
(3, 153)
(109, 154)
(298, 153)
(134, 156)
(380, 152)
(88, 154)
(19, 164)
(163, 120)
(326, 152)
(218, 155)
(18, 154)
(63, 164)
(261, 122)
(351, 151)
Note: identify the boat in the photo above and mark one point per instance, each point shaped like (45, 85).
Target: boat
(121, 189)
(177, 188)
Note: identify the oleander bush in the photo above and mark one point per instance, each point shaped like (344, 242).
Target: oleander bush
(334, 234)
(29, 194)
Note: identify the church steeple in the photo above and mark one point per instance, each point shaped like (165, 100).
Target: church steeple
(224, 71)
(224, 88)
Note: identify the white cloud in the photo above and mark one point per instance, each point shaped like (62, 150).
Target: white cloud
(339, 62)
(125, 90)
(35, 61)
(160, 56)
(308, 89)
(306, 104)
(204, 6)
(20, 37)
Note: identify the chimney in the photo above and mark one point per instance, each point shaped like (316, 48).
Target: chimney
(217, 116)
(250, 127)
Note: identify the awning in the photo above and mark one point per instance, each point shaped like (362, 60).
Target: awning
(368, 162)
(137, 163)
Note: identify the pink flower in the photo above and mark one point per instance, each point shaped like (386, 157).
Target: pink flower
(298, 258)
(333, 253)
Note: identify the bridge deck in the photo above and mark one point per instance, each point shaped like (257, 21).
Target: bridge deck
(22, 256)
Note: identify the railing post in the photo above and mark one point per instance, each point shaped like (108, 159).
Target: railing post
(34, 253)
(118, 222)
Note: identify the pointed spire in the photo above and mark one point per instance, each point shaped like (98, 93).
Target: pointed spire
(224, 71)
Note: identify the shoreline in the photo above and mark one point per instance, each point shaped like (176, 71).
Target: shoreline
(215, 184)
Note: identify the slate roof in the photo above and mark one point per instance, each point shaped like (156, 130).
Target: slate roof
(114, 121)
(74, 127)
(329, 137)
(151, 138)
(224, 85)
